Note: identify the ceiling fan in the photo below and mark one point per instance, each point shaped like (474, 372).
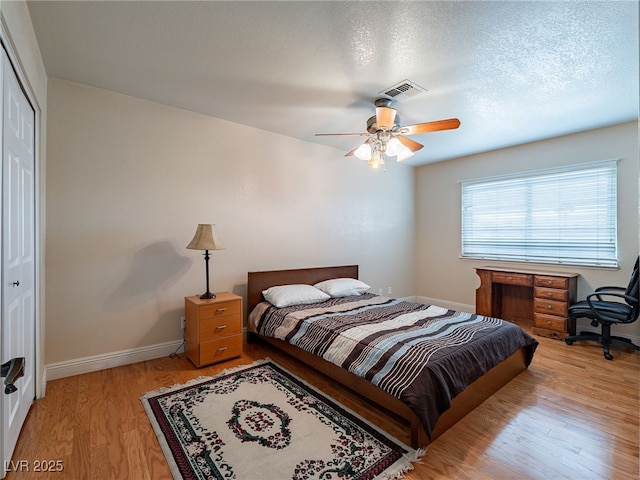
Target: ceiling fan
(386, 137)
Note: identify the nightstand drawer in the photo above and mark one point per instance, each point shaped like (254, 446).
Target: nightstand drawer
(551, 294)
(549, 322)
(222, 349)
(551, 282)
(550, 307)
(219, 309)
(213, 328)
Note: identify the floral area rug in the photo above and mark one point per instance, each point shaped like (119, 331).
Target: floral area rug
(261, 422)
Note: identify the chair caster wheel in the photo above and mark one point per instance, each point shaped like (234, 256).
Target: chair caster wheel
(568, 342)
(608, 356)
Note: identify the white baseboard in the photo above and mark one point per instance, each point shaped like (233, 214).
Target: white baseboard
(94, 363)
(589, 329)
(43, 384)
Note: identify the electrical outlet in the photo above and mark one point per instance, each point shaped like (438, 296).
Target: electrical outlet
(182, 323)
(379, 291)
(389, 290)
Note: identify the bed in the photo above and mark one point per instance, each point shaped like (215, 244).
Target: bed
(447, 401)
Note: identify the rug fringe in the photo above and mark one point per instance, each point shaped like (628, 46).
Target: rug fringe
(203, 378)
(399, 471)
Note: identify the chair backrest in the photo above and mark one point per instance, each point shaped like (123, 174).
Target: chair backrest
(633, 289)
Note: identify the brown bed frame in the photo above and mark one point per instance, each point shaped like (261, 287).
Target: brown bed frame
(461, 405)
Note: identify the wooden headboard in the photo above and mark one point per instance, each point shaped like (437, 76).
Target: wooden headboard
(259, 281)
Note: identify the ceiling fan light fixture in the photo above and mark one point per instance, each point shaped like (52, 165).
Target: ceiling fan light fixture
(376, 160)
(386, 137)
(394, 147)
(404, 153)
(363, 152)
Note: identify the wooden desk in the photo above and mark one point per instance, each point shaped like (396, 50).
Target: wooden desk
(535, 299)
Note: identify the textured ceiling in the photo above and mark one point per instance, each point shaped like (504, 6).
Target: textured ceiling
(512, 72)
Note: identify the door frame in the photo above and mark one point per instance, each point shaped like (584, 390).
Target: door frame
(6, 42)
(39, 374)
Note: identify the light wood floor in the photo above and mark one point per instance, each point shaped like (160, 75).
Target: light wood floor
(571, 415)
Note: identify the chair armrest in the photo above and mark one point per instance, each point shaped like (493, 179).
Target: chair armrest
(605, 290)
(628, 298)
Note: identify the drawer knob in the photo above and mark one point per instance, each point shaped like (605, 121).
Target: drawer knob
(220, 310)
(550, 282)
(549, 294)
(549, 322)
(221, 327)
(510, 278)
(222, 349)
(550, 307)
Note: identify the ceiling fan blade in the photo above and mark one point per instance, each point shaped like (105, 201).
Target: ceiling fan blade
(426, 127)
(343, 134)
(410, 144)
(385, 118)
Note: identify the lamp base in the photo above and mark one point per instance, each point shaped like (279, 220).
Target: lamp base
(208, 295)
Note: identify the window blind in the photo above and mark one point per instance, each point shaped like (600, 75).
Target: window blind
(565, 216)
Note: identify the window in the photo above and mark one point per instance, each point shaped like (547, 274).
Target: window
(564, 215)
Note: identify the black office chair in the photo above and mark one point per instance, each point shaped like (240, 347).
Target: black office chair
(601, 307)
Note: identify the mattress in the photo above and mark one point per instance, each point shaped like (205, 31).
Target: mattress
(423, 355)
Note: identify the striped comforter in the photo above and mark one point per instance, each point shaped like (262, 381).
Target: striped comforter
(422, 354)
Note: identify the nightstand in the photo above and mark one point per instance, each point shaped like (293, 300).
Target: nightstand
(213, 328)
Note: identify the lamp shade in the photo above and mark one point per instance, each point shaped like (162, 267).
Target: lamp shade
(394, 147)
(404, 153)
(363, 152)
(206, 238)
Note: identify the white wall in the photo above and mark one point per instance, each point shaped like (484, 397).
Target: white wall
(128, 180)
(441, 274)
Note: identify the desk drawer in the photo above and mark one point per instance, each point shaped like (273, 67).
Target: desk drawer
(222, 349)
(512, 278)
(550, 307)
(551, 282)
(551, 294)
(549, 322)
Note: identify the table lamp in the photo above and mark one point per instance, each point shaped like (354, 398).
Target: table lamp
(206, 238)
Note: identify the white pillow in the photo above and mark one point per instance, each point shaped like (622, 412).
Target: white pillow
(342, 287)
(298, 294)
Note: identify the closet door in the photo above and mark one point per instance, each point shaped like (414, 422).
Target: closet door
(18, 253)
